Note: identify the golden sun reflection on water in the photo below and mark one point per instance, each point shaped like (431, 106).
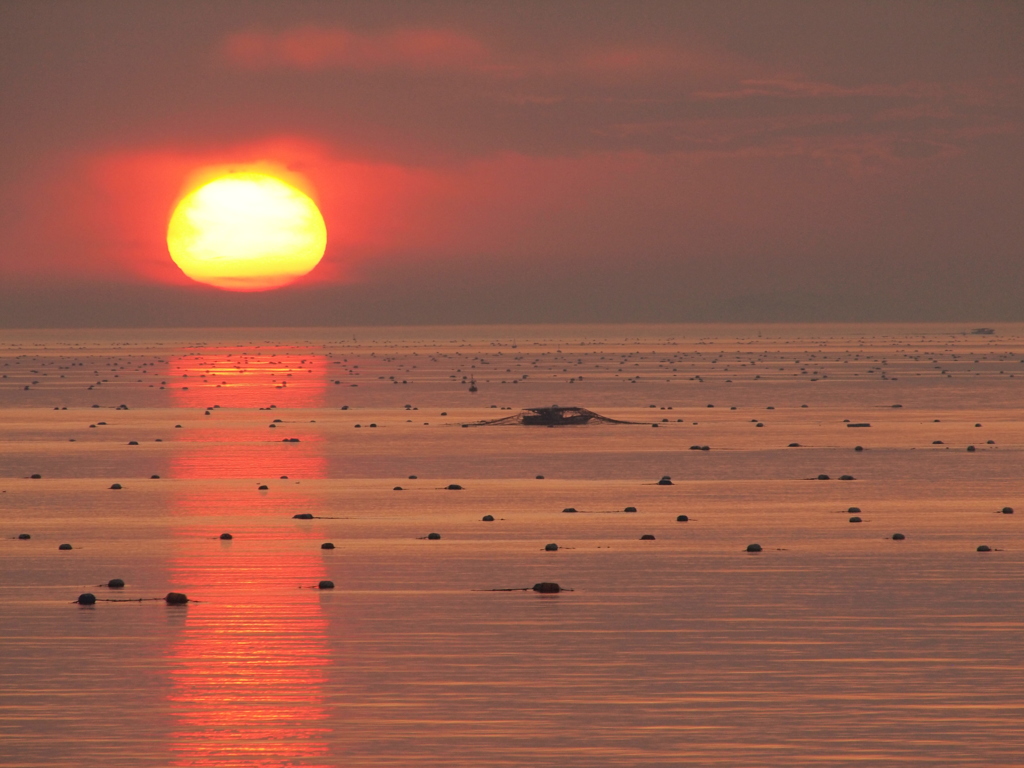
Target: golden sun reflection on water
(227, 380)
(248, 668)
(236, 453)
(245, 377)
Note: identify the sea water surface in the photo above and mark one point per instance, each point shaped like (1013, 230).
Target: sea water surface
(836, 645)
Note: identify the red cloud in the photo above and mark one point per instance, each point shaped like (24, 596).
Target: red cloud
(804, 89)
(696, 62)
(313, 48)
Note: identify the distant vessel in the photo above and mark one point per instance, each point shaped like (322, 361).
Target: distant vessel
(983, 331)
(472, 385)
(555, 416)
(551, 416)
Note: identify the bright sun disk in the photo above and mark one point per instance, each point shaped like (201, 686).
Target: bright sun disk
(246, 231)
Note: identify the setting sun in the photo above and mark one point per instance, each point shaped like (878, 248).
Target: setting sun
(246, 232)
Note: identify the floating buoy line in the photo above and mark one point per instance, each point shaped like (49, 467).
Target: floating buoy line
(543, 587)
(171, 598)
(325, 584)
(574, 511)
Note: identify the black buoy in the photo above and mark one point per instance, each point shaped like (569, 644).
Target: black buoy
(824, 477)
(263, 488)
(36, 477)
(176, 598)
(753, 547)
(115, 487)
(984, 548)
(325, 584)
(859, 448)
(115, 583)
(546, 587)
(454, 487)
(970, 449)
(398, 488)
(488, 518)
(898, 537)
(433, 536)
(226, 537)
(855, 519)
(854, 510)
(154, 477)
(413, 477)
(629, 509)
(64, 546)
(303, 516)
(647, 537)
(666, 480)
(540, 477)
(133, 442)
(847, 477)
(682, 519)
(327, 545)
(1007, 510)
(86, 598)
(569, 509)
(24, 535)
(551, 547)
(793, 445)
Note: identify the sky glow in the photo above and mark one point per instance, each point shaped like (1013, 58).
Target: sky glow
(573, 162)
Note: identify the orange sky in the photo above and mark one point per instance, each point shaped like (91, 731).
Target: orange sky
(496, 162)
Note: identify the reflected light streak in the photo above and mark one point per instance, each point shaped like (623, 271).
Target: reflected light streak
(248, 672)
(243, 453)
(208, 512)
(249, 668)
(246, 377)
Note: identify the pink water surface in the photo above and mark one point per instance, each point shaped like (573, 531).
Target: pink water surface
(834, 646)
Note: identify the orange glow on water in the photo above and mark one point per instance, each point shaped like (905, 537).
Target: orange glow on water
(220, 380)
(246, 231)
(236, 453)
(244, 377)
(249, 666)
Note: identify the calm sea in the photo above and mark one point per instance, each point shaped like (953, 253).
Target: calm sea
(835, 645)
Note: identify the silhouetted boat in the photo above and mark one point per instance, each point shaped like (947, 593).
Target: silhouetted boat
(551, 416)
(554, 416)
